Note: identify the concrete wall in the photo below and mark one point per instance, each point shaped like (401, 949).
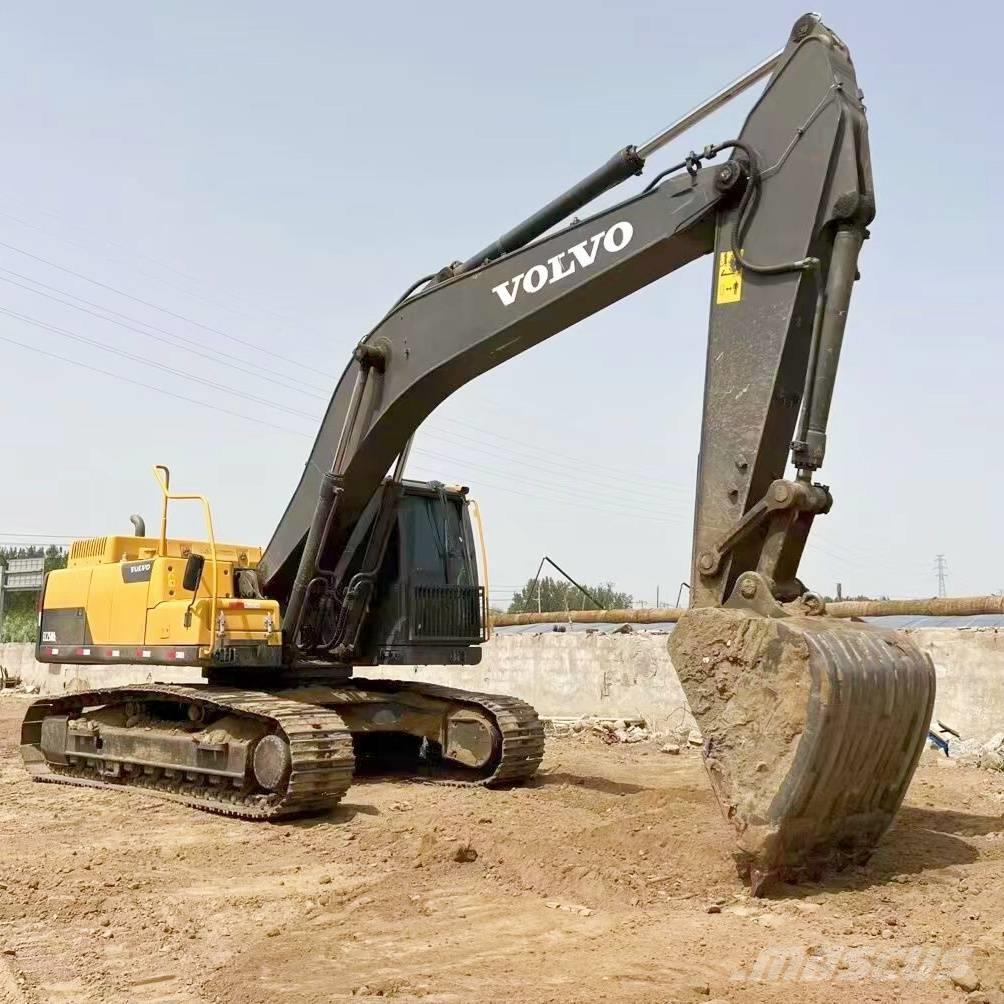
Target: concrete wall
(571, 675)
(19, 660)
(608, 675)
(622, 675)
(970, 668)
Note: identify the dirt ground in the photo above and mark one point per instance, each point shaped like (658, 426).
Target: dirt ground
(609, 878)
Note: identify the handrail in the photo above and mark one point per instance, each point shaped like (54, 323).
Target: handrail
(163, 476)
(475, 506)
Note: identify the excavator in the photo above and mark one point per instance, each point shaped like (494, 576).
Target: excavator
(812, 726)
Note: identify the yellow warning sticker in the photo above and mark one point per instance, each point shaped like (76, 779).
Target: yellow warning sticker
(729, 285)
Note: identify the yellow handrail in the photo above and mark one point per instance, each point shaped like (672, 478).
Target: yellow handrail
(484, 566)
(163, 476)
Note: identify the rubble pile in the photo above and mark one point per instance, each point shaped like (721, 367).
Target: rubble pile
(986, 754)
(622, 730)
(989, 755)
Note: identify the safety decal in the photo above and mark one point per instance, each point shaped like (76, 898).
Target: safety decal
(729, 285)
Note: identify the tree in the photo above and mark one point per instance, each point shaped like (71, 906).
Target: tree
(557, 595)
(55, 557)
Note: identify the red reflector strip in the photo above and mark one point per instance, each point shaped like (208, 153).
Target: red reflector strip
(98, 654)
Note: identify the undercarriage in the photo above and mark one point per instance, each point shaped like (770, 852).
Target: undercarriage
(278, 754)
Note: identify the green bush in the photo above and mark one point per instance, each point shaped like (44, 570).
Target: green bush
(19, 625)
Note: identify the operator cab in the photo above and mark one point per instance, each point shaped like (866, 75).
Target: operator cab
(427, 606)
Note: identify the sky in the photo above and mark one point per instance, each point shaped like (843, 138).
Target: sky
(204, 207)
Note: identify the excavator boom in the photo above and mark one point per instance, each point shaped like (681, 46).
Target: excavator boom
(785, 218)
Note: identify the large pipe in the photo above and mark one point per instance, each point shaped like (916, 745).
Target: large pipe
(935, 606)
(647, 616)
(938, 606)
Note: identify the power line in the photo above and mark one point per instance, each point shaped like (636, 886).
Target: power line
(463, 440)
(53, 536)
(549, 455)
(150, 387)
(610, 495)
(557, 497)
(563, 499)
(129, 323)
(122, 353)
(132, 252)
(163, 310)
(488, 450)
(171, 338)
(553, 485)
(195, 350)
(559, 485)
(578, 461)
(624, 509)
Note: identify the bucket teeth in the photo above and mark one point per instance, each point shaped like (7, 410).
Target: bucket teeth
(812, 731)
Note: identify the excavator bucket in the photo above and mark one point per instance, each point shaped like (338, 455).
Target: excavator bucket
(812, 731)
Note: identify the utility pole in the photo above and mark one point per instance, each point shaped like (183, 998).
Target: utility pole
(840, 594)
(657, 604)
(941, 567)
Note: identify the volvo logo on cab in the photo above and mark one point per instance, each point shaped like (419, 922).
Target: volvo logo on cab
(561, 266)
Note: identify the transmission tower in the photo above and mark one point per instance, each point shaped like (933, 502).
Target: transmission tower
(941, 567)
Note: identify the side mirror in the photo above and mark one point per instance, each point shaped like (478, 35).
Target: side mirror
(193, 572)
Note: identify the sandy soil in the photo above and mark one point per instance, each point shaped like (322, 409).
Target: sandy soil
(608, 879)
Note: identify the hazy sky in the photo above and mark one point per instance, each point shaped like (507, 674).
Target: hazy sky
(256, 182)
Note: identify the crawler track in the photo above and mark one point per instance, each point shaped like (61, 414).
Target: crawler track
(320, 747)
(520, 731)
